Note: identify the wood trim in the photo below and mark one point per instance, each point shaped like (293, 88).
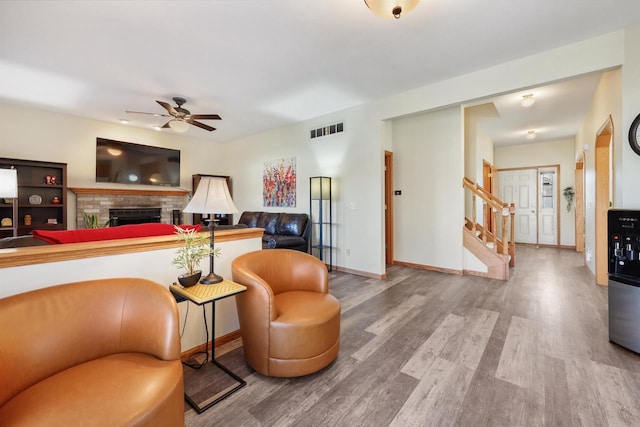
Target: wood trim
(220, 341)
(128, 191)
(428, 267)
(361, 273)
(558, 196)
(579, 204)
(388, 197)
(71, 251)
(497, 264)
(604, 138)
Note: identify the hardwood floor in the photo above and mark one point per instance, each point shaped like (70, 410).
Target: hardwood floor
(431, 349)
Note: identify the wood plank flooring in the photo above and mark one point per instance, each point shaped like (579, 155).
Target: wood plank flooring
(424, 348)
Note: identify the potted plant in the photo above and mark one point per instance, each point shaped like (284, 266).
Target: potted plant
(568, 194)
(195, 248)
(91, 221)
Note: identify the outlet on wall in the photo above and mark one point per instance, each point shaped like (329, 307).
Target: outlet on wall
(348, 252)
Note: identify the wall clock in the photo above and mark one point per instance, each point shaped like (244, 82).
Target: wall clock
(634, 135)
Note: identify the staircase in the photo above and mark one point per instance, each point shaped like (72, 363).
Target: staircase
(492, 241)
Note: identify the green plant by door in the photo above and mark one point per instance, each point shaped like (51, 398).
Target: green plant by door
(568, 194)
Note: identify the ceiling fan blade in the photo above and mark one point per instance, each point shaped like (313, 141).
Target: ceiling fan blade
(206, 117)
(166, 125)
(169, 108)
(200, 125)
(150, 114)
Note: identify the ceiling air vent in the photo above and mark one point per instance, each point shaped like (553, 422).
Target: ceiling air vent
(327, 130)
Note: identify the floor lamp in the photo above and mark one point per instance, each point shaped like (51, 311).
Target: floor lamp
(211, 197)
(9, 190)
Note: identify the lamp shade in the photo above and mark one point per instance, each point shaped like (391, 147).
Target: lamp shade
(9, 183)
(320, 188)
(179, 126)
(391, 8)
(212, 197)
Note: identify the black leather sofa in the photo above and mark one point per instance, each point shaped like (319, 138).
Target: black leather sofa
(281, 230)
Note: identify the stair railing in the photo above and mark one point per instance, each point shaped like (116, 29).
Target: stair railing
(504, 242)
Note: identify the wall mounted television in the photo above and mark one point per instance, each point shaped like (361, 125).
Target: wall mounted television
(128, 163)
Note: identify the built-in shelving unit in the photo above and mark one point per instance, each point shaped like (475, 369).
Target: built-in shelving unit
(321, 219)
(41, 202)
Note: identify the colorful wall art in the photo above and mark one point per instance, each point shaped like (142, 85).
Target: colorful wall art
(279, 183)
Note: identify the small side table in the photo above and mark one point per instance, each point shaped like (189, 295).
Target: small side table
(202, 294)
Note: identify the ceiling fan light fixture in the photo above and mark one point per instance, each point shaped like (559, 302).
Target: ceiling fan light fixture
(179, 125)
(391, 8)
(527, 100)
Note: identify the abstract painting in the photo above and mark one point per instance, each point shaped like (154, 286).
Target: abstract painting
(279, 183)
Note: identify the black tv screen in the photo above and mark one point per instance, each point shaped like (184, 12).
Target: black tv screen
(128, 163)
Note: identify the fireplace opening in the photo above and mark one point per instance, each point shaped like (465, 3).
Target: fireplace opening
(123, 216)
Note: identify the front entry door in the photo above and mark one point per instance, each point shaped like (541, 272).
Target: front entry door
(548, 207)
(520, 188)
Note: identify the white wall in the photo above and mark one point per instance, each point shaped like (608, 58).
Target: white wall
(627, 195)
(354, 161)
(355, 158)
(606, 101)
(531, 156)
(428, 169)
(32, 134)
(152, 265)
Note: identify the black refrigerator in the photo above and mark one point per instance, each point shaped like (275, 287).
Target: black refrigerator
(624, 278)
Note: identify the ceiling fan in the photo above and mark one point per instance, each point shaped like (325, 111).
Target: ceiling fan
(181, 116)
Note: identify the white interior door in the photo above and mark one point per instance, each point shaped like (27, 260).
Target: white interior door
(520, 188)
(548, 207)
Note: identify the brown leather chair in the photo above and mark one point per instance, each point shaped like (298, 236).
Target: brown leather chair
(95, 353)
(290, 324)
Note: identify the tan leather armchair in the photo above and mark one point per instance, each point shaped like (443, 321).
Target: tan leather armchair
(95, 353)
(290, 324)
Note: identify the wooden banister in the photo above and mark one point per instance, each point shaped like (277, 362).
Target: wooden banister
(503, 243)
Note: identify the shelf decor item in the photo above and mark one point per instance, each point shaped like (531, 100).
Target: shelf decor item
(35, 199)
(211, 197)
(188, 256)
(321, 218)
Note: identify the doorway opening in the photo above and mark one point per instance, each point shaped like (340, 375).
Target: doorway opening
(388, 207)
(579, 197)
(604, 184)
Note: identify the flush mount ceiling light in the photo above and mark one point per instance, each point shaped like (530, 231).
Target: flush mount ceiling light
(178, 125)
(391, 8)
(531, 134)
(527, 100)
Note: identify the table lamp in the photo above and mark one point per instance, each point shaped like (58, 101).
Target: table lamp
(8, 183)
(211, 197)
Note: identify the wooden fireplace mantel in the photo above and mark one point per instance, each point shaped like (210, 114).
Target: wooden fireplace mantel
(129, 192)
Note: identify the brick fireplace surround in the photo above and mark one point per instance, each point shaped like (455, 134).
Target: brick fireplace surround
(100, 200)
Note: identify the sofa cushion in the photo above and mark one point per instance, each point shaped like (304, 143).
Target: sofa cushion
(276, 241)
(250, 219)
(110, 233)
(291, 224)
(21, 242)
(268, 221)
